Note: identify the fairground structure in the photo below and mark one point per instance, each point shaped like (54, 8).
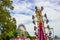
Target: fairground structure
(40, 33)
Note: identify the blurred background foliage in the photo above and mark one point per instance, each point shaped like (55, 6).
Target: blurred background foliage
(7, 23)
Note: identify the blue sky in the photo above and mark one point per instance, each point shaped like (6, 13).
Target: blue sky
(24, 9)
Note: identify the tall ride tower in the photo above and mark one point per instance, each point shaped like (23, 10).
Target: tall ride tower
(40, 23)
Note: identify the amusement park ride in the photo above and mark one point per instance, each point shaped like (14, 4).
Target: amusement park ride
(41, 34)
(39, 28)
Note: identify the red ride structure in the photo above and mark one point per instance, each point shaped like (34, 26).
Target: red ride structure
(40, 24)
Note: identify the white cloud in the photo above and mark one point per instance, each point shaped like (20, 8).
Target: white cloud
(52, 14)
(22, 7)
(21, 18)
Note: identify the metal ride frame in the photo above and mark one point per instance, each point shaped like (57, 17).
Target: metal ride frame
(41, 35)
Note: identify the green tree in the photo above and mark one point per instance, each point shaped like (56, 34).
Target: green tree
(8, 23)
(56, 36)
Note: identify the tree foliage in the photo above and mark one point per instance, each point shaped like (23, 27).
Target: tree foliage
(56, 36)
(8, 23)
